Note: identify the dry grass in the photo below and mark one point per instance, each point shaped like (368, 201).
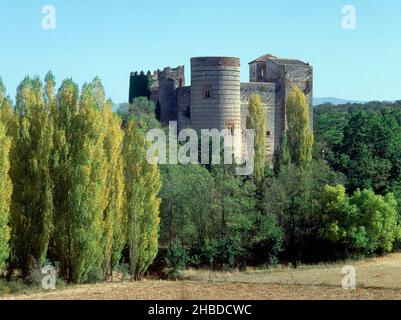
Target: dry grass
(378, 278)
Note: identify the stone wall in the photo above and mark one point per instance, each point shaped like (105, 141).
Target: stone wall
(217, 99)
(215, 93)
(301, 76)
(184, 107)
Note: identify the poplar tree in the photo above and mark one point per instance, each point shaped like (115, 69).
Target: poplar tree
(5, 196)
(142, 184)
(258, 122)
(114, 220)
(300, 136)
(85, 198)
(32, 201)
(6, 126)
(65, 112)
(82, 174)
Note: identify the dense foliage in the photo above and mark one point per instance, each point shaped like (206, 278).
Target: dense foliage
(5, 181)
(78, 192)
(258, 122)
(77, 200)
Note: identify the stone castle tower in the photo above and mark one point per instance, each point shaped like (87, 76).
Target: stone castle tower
(217, 99)
(215, 93)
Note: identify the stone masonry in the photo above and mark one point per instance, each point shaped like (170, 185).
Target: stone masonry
(217, 99)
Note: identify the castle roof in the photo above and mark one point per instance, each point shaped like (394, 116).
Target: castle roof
(281, 61)
(263, 58)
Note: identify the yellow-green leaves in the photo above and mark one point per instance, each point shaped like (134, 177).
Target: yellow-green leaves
(257, 121)
(141, 202)
(114, 218)
(5, 196)
(85, 194)
(300, 136)
(64, 191)
(32, 200)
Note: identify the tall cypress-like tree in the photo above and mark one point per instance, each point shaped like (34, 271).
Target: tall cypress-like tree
(300, 135)
(114, 219)
(85, 199)
(32, 201)
(142, 184)
(81, 214)
(5, 196)
(65, 112)
(258, 122)
(6, 127)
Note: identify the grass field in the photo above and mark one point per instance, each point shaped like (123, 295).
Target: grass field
(378, 278)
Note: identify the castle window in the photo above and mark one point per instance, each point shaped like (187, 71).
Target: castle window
(268, 134)
(231, 128)
(180, 83)
(262, 72)
(207, 92)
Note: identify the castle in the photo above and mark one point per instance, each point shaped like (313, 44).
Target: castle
(217, 99)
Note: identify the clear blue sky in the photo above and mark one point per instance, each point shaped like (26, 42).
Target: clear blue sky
(111, 38)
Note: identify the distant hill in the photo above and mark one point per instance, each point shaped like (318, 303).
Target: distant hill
(335, 101)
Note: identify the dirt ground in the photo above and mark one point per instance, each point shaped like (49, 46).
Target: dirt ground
(378, 278)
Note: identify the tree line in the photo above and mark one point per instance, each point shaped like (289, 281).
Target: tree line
(76, 186)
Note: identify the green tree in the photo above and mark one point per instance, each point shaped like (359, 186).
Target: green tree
(49, 92)
(114, 217)
(296, 206)
(86, 204)
(5, 196)
(300, 136)
(6, 111)
(185, 205)
(282, 157)
(142, 204)
(142, 109)
(364, 223)
(32, 200)
(64, 115)
(370, 152)
(258, 122)
(234, 207)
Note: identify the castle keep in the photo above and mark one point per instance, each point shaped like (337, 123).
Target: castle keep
(217, 99)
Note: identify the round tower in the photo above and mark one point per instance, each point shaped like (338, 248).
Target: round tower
(215, 93)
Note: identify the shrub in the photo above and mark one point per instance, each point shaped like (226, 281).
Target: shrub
(177, 259)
